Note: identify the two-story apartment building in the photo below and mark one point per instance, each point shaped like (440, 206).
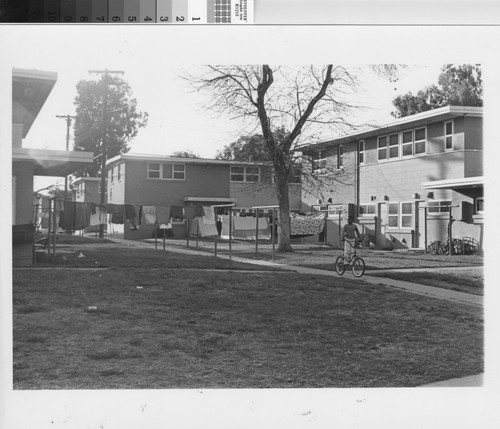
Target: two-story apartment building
(401, 180)
(163, 181)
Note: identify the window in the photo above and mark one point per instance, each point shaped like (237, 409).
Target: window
(407, 143)
(361, 152)
(394, 146)
(448, 135)
(419, 141)
(112, 175)
(319, 163)
(118, 172)
(406, 215)
(436, 207)
(245, 174)
(393, 215)
(366, 210)
(382, 148)
(295, 175)
(479, 203)
(166, 171)
(153, 171)
(340, 156)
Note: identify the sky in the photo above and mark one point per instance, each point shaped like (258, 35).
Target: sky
(178, 119)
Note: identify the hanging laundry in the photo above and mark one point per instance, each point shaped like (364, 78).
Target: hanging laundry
(99, 217)
(129, 211)
(244, 228)
(116, 212)
(302, 225)
(149, 214)
(67, 217)
(200, 229)
(163, 214)
(225, 227)
(82, 216)
(209, 215)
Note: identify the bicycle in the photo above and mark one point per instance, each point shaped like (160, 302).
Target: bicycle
(357, 263)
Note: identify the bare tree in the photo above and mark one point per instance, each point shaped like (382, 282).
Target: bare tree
(299, 99)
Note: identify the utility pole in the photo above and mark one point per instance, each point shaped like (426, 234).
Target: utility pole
(68, 126)
(105, 74)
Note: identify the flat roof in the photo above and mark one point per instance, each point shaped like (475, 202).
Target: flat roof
(58, 163)
(165, 158)
(460, 183)
(419, 119)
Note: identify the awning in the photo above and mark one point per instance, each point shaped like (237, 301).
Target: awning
(58, 163)
(455, 184)
(210, 199)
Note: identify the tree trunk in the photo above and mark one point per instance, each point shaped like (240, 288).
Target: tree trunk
(284, 212)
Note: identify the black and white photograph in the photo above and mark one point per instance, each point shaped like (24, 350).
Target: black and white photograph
(246, 227)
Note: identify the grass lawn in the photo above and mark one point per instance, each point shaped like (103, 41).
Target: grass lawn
(128, 326)
(463, 281)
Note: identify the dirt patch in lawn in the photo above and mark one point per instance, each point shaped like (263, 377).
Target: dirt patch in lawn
(141, 328)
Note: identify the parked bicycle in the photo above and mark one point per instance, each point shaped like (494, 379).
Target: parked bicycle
(357, 263)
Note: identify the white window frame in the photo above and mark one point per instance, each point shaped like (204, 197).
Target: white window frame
(442, 206)
(340, 156)
(118, 173)
(177, 169)
(450, 136)
(392, 146)
(365, 212)
(361, 152)
(245, 174)
(410, 143)
(334, 210)
(393, 215)
(318, 162)
(415, 141)
(384, 148)
(406, 215)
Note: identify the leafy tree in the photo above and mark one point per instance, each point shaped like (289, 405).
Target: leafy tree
(283, 98)
(457, 85)
(246, 148)
(185, 154)
(120, 120)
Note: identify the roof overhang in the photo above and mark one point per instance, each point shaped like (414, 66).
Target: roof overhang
(57, 163)
(210, 199)
(412, 121)
(455, 184)
(163, 158)
(30, 89)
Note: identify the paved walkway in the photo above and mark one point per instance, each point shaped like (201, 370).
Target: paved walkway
(433, 292)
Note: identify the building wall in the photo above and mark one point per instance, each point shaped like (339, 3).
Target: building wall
(24, 193)
(201, 180)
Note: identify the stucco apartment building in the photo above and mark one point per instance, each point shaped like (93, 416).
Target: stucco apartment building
(30, 90)
(399, 181)
(157, 180)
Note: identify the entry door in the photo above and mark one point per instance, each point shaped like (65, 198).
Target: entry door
(381, 223)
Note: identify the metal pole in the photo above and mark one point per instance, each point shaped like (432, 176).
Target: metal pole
(188, 227)
(68, 126)
(450, 247)
(50, 227)
(156, 235)
(273, 230)
(230, 230)
(425, 229)
(54, 230)
(256, 230)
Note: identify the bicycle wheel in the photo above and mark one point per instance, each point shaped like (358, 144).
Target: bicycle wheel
(339, 265)
(358, 267)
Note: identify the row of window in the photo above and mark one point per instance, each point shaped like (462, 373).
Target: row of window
(391, 146)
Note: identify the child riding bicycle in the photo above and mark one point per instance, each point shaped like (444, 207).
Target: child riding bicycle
(350, 235)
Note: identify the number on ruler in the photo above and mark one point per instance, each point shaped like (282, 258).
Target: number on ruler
(164, 18)
(68, 18)
(132, 18)
(84, 18)
(116, 18)
(100, 18)
(179, 18)
(147, 19)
